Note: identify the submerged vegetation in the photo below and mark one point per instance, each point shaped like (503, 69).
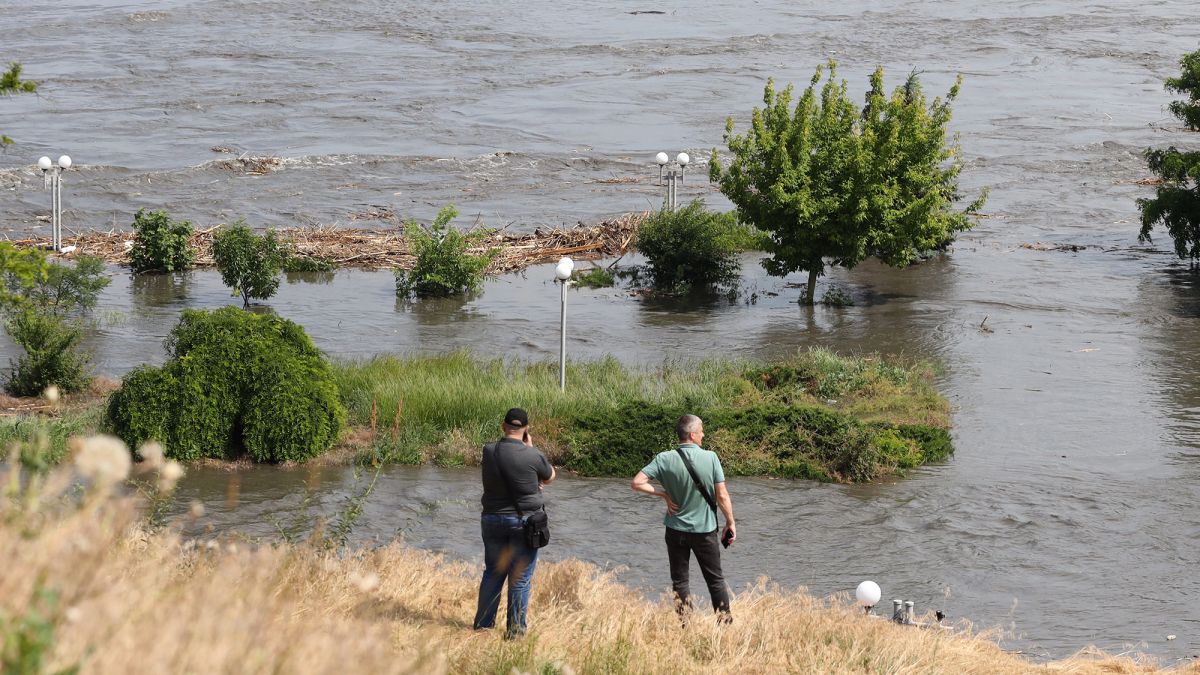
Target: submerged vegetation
(815, 415)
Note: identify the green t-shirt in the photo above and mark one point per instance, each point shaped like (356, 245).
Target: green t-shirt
(694, 514)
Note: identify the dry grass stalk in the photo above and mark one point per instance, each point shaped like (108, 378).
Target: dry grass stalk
(132, 601)
(386, 248)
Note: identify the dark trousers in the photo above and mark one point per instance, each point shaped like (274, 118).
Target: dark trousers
(680, 547)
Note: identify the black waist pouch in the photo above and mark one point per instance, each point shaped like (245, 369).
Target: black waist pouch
(537, 529)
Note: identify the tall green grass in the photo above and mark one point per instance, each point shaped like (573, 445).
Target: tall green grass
(42, 440)
(441, 409)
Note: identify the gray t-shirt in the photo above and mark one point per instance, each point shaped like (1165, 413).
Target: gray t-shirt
(524, 466)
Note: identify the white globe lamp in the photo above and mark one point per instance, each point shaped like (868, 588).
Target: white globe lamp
(44, 164)
(64, 162)
(564, 268)
(868, 594)
(683, 159)
(661, 158)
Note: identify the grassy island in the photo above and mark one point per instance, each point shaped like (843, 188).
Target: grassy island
(815, 415)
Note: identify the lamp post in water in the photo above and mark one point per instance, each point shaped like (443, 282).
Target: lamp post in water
(52, 180)
(674, 177)
(562, 274)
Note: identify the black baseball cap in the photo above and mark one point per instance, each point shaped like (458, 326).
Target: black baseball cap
(516, 417)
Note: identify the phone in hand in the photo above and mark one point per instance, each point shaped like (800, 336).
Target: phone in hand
(727, 538)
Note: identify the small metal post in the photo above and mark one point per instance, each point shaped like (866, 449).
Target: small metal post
(898, 611)
(910, 613)
(58, 209)
(562, 347)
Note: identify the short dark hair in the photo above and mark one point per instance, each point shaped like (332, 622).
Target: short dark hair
(686, 425)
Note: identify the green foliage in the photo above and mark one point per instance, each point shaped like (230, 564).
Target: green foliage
(43, 440)
(815, 415)
(29, 639)
(67, 289)
(595, 277)
(303, 263)
(692, 248)
(41, 302)
(235, 383)
(833, 184)
(249, 263)
(160, 244)
(443, 266)
(1188, 84)
(21, 269)
(50, 354)
(11, 83)
(1176, 203)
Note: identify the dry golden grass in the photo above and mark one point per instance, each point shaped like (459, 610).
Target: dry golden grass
(130, 601)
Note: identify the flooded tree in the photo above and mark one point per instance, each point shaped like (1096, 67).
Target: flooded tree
(249, 263)
(11, 83)
(833, 183)
(1176, 202)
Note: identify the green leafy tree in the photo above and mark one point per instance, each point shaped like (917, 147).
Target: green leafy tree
(42, 304)
(1176, 202)
(160, 244)
(249, 263)
(832, 183)
(443, 266)
(11, 83)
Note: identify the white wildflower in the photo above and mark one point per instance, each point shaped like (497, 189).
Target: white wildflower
(52, 394)
(168, 475)
(103, 460)
(196, 509)
(151, 454)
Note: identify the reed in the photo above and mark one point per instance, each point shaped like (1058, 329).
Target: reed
(87, 585)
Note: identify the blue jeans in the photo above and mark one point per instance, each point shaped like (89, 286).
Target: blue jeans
(505, 557)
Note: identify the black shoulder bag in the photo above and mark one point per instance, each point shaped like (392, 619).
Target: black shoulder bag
(537, 526)
(712, 503)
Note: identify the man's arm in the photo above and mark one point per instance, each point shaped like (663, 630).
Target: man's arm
(641, 483)
(726, 505)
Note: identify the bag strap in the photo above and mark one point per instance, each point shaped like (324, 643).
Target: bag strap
(712, 503)
(504, 477)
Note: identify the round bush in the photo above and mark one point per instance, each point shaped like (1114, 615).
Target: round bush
(236, 383)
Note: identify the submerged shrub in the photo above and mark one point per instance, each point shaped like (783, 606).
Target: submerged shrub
(50, 357)
(249, 263)
(236, 383)
(692, 248)
(160, 244)
(443, 266)
(42, 304)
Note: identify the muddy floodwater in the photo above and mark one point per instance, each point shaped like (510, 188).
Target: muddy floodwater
(1068, 514)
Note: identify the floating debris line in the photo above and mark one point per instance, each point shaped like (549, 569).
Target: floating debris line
(379, 248)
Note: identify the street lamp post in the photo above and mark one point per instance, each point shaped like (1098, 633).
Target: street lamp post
(52, 180)
(674, 177)
(562, 274)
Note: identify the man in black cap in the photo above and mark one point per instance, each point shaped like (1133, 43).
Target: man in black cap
(514, 472)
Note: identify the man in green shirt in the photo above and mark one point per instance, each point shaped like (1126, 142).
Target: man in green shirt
(691, 518)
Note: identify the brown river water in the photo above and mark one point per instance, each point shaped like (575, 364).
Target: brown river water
(1068, 515)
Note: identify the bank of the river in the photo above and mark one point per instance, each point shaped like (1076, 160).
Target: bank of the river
(814, 415)
(87, 586)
